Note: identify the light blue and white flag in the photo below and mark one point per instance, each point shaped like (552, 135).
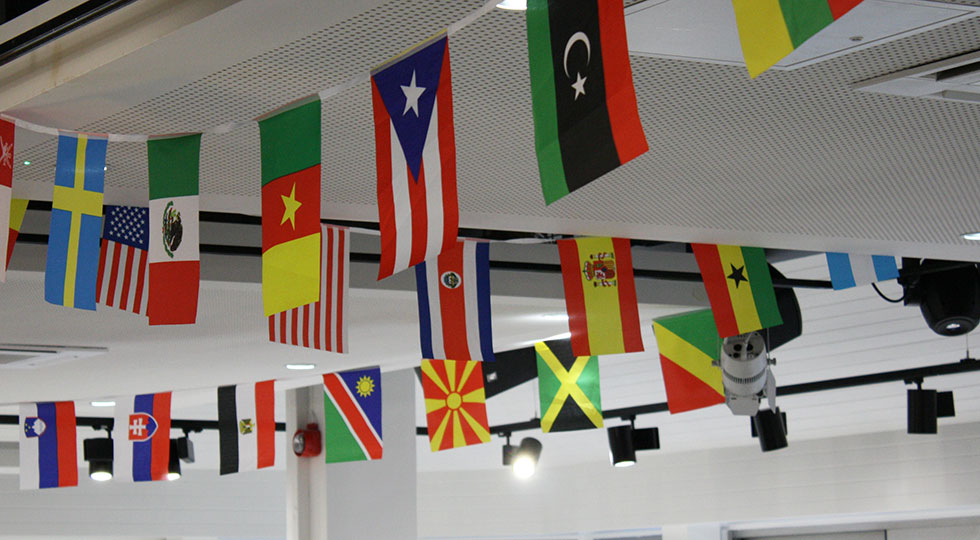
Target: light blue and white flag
(847, 270)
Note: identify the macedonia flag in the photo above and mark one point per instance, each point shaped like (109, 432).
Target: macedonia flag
(688, 344)
(290, 142)
(455, 403)
(739, 288)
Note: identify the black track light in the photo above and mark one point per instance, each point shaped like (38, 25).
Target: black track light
(98, 454)
(769, 426)
(624, 441)
(524, 460)
(173, 468)
(923, 411)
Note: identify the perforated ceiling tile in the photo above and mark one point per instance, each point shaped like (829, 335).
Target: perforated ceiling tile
(792, 152)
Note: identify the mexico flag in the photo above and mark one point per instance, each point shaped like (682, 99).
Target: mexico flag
(290, 141)
(175, 257)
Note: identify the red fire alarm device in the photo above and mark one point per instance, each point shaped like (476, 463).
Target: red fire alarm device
(306, 442)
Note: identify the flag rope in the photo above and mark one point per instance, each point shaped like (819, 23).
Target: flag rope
(231, 126)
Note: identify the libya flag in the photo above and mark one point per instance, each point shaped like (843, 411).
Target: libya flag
(290, 141)
(585, 118)
(688, 345)
(175, 257)
(739, 288)
(568, 387)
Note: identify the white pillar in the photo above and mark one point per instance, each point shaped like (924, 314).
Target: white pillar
(306, 478)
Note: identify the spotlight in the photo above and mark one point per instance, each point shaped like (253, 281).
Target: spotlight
(947, 294)
(745, 373)
(98, 454)
(173, 469)
(923, 411)
(624, 441)
(524, 459)
(944, 405)
(768, 424)
(185, 449)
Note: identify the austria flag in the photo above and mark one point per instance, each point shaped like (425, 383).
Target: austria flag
(247, 426)
(141, 438)
(47, 445)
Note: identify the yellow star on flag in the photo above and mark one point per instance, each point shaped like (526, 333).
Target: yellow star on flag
(292, 205)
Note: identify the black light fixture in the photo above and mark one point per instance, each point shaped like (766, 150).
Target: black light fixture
(98, 454)
(173, 468)
(947, 293)
(769, 426)
(944, 405)
(624, 441)
(923, 410)
(524, 460)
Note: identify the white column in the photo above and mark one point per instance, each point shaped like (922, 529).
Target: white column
(306, 478)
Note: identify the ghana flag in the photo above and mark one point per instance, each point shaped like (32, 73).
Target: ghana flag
(569, 388)
(290, 141)
(739, 288)
(688, 344)
(771, 29)
(455, 403)
(585, 118)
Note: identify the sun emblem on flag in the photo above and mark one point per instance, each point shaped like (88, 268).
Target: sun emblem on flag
(173, 229)
(246, 426)
(6, 154)
(365, 386)
(455, 403)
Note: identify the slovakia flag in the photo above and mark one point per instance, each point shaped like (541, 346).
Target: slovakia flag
(141, 438)
(416, 156)
(48, 446)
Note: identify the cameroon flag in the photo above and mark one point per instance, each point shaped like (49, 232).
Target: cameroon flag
(771, 29)
(290, 142)
(688, 344)
(455, 403)
(600, 296)
(569, 388)
(585, 118)
(739, 288)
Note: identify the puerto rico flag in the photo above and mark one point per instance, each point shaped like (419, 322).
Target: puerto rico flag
(416, 156)
(454, 303)
(141, 438)
(48, 445)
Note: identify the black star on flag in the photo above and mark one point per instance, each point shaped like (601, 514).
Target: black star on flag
(738, 275)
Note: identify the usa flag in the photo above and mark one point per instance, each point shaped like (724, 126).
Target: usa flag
(123, 259)
(416, 156)
(454, 304)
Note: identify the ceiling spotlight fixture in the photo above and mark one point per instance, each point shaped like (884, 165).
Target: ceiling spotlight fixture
(522, 459)
(513, 5)
(769, 426)
(923, 410)
(745, 373)
(300, 367)
(975, 236)
(947, 293)
(624, 441)
(98, 454)
(27, 162)
(173, 468)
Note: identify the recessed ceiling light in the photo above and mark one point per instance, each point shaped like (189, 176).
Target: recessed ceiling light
(27, 162)
(975, 236)
(103, 403)
(300, 367)
(513, 5)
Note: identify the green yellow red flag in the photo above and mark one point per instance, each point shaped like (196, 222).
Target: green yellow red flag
(688, 344)
(739, 288)
(569, 388)
(600, 295)
(455, 403)
(290, 142)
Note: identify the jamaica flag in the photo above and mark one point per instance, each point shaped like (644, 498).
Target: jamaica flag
(585, 118)
(569, 388)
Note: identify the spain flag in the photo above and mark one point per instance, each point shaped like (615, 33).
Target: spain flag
(455, 403)
(739, 288)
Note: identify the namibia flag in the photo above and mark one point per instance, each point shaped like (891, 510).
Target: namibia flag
(585, 118)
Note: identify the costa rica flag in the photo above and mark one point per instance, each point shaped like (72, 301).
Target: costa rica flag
(48, 455)
(141, 438)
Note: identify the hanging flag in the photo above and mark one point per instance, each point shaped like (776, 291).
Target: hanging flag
(321, 325)
(76, 222)
(352, 415)
(141, 438)
(455, 404)
(771, 29)
(847, 270)
(290, 142)
(246, 426)
(18, 208)
(739, 288)
(48, 445)
(416, 156)
(454, 303)
(122, 259)
(600, 295)
(568, 386)
(6, 188)
(175, 256)
(585, 118)
(688, 344)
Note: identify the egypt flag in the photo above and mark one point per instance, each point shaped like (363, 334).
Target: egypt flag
(247, 426)
(600, 296)
(771, 29)
(18, 208)
(290, 141)
(455, 403)
(416, 156)
(352, 415)
(123, 259)
(585, 118)
(739, 288)
(454, 303)
(48, 445)
(6, 188)
(568, 386)
(141, 438)
(175, 257)
(688, 345)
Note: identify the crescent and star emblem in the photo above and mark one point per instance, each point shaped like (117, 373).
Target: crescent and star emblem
(579, 84)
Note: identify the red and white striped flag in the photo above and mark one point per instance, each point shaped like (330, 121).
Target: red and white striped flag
(123, 260)
(321, 325)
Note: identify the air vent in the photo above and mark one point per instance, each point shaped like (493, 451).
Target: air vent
(20, 356)
(952, 79)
